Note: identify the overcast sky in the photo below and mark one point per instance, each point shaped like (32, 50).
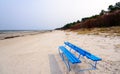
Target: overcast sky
(47, 14)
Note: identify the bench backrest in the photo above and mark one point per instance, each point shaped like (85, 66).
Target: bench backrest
(77, 49)
(82, 52)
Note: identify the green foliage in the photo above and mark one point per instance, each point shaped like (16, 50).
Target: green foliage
(86, 18)
(111, 8)
(118, 4)
(102, 12)
(70, 25)
(78, 21)
(114, 7)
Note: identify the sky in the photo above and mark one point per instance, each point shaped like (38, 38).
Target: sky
(47, 14)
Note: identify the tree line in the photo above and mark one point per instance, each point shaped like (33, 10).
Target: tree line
(104, 19)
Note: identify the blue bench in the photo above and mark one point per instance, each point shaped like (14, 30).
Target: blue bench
(71, 58)
(83, 53)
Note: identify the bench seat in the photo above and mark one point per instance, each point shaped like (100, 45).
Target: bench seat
(72, 58)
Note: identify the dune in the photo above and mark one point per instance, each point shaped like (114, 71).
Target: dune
(38, 54)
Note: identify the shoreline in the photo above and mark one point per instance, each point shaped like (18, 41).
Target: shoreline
(8, 34)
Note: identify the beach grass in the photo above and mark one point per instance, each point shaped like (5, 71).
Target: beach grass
(111, 31)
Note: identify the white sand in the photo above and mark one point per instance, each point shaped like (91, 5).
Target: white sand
(38, 54)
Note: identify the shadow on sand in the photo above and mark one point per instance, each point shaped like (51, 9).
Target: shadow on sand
(54, 67)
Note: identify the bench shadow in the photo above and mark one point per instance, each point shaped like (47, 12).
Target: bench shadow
(54, 67)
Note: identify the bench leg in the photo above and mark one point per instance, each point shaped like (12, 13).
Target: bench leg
(69, 66)
(61, 55)
(67, 63)
(94, 66)
(70, 49)
(79, 56)
(91, 68)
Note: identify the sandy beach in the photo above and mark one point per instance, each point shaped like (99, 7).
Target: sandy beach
(38, 54)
